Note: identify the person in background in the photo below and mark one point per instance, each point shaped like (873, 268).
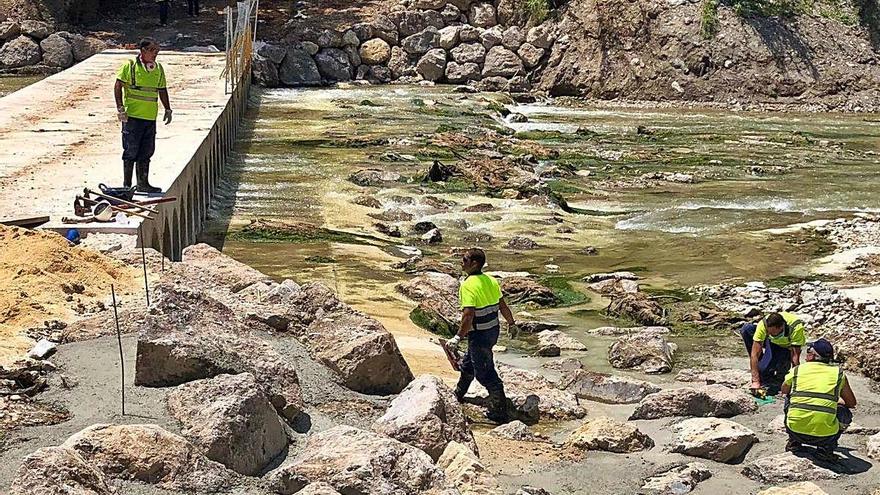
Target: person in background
(192, 7)
(817, 403)
(481, 300)
(164, 7)
(140, 83)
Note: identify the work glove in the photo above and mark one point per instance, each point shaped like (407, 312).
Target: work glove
(454, 341)
(167, 117)
(121, 115)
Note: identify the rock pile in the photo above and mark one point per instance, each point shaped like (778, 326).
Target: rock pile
(449, 41)
(33, 43)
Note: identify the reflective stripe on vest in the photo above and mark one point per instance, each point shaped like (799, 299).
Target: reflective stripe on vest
(823, 383)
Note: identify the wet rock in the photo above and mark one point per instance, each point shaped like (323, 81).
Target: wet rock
(730, 377)
(708, 400)
(873, 446)
(368, 201)
(271, 52)
(190, 336)
(677, 481)
(599, 277)
(589, 251)
(464, 470)
(540, 36)
(547, 350)
(521, 290)
(603, 387)
(389, 230)
(426, 415)
(373, 177)
(535, 326)
(613, 286)
(265, 72)
(418, 264)
(522, 243)
(519, 384)
(564, 365)
(334, 65)
(559, 339)
(802, 488)
(479, 208)
(420, 43)
(513, 38)
(491, 37)
(531, 490)
(392, 215)
(432, 65)
(627, 330)
(468, 53)
(355, 346)
(19, 52)
(231, 420)
(152, 455)
(358, 462)
(784, 467)
(638, 308)
(716, 439)
(433, 236)
(530, 55)
(299, 69)
(438, 315)
(482, 15)
(430, 285)
(517, 431)
(58, 470)
(604, 433)
(502, 62)
(375, 51)
(9, 29)
(35, 29)
(649, 352)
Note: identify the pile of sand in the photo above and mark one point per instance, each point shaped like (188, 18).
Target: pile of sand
(44, 278)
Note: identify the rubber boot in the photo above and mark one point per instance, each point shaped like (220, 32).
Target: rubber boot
(499, 411)
(127, 172)
(143, 185)
(461, 388)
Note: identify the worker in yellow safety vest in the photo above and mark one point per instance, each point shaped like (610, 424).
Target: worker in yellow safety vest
(818, 402)
(774, 346)
(140, 84)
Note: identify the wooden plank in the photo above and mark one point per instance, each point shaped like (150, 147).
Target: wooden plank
(25, 221)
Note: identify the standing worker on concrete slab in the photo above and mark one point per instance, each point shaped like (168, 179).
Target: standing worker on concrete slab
(818, 402)
(774, 346)
(140, 83)
(481, 299)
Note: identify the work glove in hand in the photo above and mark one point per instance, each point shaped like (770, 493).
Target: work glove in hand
(167, 117)
(121, 115)
(454, 341)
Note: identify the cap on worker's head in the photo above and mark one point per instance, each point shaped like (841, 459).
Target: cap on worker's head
(73, 236)
(823, 348)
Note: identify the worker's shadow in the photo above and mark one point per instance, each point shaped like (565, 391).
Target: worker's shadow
(848, 463)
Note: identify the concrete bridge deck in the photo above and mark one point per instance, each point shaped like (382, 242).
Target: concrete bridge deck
(61, 135)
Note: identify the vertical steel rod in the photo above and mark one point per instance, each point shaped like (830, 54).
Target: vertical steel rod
(119, 339)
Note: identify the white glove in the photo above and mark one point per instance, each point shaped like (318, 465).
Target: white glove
(121, 115)
(454, 341)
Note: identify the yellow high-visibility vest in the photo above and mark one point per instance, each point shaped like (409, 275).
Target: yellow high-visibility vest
(140, 92)
(815, 390)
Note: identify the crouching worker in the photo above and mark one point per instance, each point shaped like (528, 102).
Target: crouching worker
(774, 346)
(481, 300)
(817, 403)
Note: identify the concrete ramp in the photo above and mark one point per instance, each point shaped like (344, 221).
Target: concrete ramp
(61, 135)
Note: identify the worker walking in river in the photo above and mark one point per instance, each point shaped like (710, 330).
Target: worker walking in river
(817, 403)
(774, 346)
(140, 83)
(481, 300)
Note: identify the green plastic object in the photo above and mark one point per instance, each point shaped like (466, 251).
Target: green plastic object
(765, 401)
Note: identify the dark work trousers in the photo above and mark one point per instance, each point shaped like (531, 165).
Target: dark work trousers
(164, 7)
(772, 371)
(138, 140)
(827, 444)
(478, 362)
(192, 7)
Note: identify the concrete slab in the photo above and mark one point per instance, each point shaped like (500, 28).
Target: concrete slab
(61, 134)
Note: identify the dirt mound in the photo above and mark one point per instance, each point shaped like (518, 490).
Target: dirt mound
(43, 278)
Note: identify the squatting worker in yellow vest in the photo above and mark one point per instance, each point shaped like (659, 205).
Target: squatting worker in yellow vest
(818, 401)
(481, 300)
(774, 346)
(140, 83)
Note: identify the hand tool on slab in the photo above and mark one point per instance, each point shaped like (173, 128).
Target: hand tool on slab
(87, 192)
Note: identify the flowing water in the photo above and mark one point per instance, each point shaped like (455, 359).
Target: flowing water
(753, 171)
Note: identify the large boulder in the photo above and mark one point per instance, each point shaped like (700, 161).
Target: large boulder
(559, 339)
(649, 352)
(274, 53)
(468, 53)
(606, 388)
(464, 470)
(334, 65)
(35, 29)
(56, 51)
(521, 385)
(19, 52)
(521, 290)
(513, 38)
(190, 336)
(873, 446)
(358, 462)
(604, 433)
(231, 420)
(59, 470)
(637, 307)
(461, 73)
(373, 177)
(375, 51)
(83, 47)
(530, 55)
(708, 400)
(355, 346)
(784, 467)
(678, 480)
(437, 315)
(516, 431)
(9, 29)
(449, 37)
(716, 439)
(265, 72)
(420, 43)
(152, 455)
(502, 62)
(426, 415)
(482, 15)
(298, 68)
(802, 488)
(541, 36)
(429, 285)
(205, 267)
(491, 37)
(432, 65)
